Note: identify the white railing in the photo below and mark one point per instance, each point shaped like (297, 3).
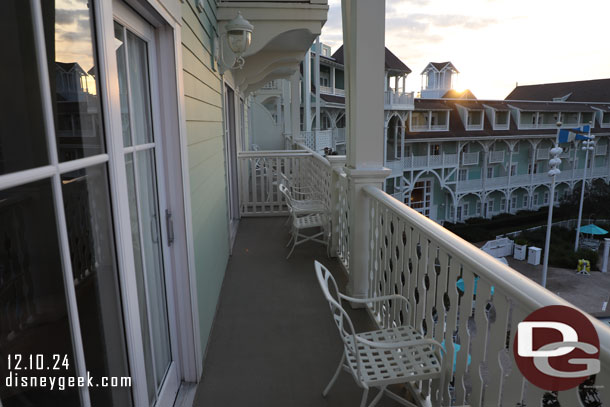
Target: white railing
(496, 157)
(339, 136)
(261, 173)
(270, 85)
(542, 154)
(332, 91)
(470, 184)
(399, 99)
(470, 158)
(343, 217)
(318, 140)
(419, 259)
(601, 150)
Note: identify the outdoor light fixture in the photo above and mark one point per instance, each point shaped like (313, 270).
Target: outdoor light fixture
(238, 35)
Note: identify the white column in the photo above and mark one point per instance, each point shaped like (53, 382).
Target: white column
(295, 106)
(605, 256)
(363, 44)
(317, 83)
(332, 78)
(307, 91)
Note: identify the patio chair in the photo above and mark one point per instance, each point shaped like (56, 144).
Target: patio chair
(380, 358)
(300, 207)
(315, 221)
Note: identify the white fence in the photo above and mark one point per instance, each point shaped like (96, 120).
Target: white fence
(398, 99)
(470, 158)
(496, 157)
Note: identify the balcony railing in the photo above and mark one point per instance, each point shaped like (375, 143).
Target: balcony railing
(542, 154)
(496, 157)
(271, 85)
(470, 158)
(423, 162)
(601, 150)
(399, 100)
(332, 91)
(413, 256)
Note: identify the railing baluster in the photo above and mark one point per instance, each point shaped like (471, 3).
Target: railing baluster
(497, 348)
(465, 310)
(513, 383)
(570, 398)
(479, 344)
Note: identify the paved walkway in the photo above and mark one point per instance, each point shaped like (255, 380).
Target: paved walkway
(586, 292)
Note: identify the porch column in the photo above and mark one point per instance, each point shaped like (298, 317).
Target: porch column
(605, 256)
(363, 44)
(295, 107)
(332, 78)
(336, 163)
(307, 90)
(317, 83)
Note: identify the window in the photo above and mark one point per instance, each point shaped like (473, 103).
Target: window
(606, 118)
(513, 169)
(438, 119)
(435, 149)
(475, 118)
(527, 119)
(466, 209)
(513, 203)
(324, 81)
(569, 118)
(516, 148)
(556, 196)
(463, 175)
(407, 151)
(501, 118)
(419, 120)
(586, 117)
(502, 204)
(546, 198)
(535, 168)
(550, 118)
(490, 172)
(536, 199)
(525, 201)
(479, 208)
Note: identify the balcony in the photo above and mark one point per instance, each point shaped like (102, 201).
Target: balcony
(496, 157)
(470, 158)
(542, 154)
(409, 254)
(601, 150)
(421, 162)
(398, 100)
(327, 90)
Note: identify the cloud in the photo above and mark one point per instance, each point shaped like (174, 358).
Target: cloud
(65, 16)
(423, 22)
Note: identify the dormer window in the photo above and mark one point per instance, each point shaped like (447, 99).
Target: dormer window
(548, 119)
(586, 117)
(475, 119)
(606, 119)
(501, 119)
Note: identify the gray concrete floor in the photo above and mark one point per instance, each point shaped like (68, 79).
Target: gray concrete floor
(273, 342)
(586, 292)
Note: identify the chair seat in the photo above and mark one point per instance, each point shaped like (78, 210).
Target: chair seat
(305, 206)
(400, 365)
(309, 221)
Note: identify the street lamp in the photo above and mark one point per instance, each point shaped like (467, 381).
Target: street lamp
(587, 145)
(554, 163)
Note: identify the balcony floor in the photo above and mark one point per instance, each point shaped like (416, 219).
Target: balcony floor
(273, 342)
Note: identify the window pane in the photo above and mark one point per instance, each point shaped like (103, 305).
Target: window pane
(22, 137)
(119, 35)
(137, 57)
(73, 76)
(94, 268)
(33, 310)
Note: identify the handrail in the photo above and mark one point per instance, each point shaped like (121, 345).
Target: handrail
(504, 278)
(273, 153)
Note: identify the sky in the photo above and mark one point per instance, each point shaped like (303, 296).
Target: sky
(494, 43)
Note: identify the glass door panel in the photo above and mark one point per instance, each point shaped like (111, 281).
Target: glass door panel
(141, 157)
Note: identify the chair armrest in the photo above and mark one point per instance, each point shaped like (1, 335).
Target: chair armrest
(373, 299)
(401, 344)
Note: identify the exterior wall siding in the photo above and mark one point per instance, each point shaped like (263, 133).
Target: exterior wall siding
(207, 167)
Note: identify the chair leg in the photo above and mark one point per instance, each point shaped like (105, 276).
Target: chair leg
(365, 394)
(334, 378)
(377, 397)
(294, 243)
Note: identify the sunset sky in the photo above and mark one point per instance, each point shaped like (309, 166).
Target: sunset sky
(495, 43)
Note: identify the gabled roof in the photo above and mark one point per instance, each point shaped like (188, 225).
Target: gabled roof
(597, 90)
(392, 62)
(470, 104)
(439, 66)
(431, 104)
(454, 94)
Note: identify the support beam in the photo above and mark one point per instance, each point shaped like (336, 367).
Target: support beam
(605, 256)
(363, 39)
(317, 84)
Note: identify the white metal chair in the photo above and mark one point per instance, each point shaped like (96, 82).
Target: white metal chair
(299, 207)
(380, 358)
(315, 221)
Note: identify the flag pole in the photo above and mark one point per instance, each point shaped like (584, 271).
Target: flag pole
(586, 146)
(554, 164)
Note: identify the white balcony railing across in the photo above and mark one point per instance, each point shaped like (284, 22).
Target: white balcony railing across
(470, 158)
(413, 256)
(542, 154)
(496, 157)
(601, 150)
(399, 99)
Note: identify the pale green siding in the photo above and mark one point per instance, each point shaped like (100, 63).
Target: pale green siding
(207, 174)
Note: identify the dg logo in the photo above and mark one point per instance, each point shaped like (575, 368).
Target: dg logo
(556, 348)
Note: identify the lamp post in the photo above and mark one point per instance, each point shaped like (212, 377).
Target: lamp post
(587, 145)
(554, 163)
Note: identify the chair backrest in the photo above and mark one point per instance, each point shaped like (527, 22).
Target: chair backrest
(342, 320)
(286, 192)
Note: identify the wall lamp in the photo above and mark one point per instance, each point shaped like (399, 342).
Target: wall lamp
(238, 36)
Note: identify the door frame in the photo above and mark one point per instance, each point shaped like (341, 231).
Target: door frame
(183, 309)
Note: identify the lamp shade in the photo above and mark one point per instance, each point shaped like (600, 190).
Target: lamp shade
(239, 34)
